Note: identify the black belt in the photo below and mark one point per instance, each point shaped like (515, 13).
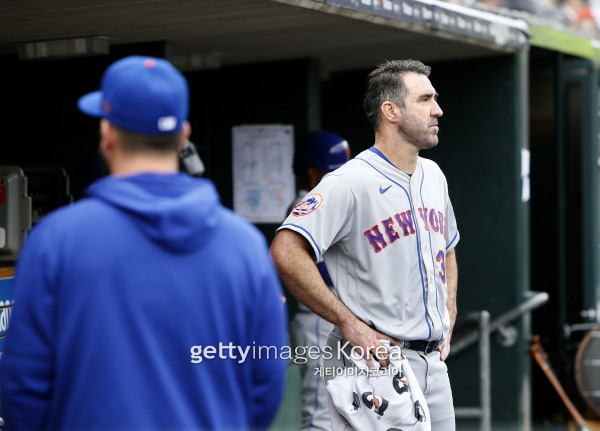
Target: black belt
(423, 345)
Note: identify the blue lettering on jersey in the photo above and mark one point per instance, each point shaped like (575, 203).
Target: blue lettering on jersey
(434, 221)
(423, 213)
(376, 238)
(405, 221)
(389, 229)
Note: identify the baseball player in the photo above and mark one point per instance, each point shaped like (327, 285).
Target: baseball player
(385, 227)
(319, 153)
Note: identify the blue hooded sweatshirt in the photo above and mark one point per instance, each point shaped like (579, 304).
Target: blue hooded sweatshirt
(133, 309)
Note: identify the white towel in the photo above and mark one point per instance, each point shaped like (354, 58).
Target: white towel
(386, 399)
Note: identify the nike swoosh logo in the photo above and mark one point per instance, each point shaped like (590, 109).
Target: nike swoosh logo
(382, 190)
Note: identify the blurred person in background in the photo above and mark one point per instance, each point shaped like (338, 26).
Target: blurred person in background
(319, 153)
(124, 299)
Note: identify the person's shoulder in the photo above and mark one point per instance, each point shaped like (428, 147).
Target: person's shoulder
(362, 160)
(353, 170)
(86, 209)
(241, 240)
(239, 226)
(62, 223)
(430, 166)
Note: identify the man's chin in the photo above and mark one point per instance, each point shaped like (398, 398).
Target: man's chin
(429, 144)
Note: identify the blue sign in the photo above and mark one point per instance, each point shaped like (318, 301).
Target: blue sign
(6, 301)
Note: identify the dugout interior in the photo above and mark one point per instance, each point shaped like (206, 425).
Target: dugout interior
(309, 71)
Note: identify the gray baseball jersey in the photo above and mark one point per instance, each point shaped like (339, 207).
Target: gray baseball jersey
(384, 235)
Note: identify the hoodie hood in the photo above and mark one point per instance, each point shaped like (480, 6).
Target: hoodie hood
(176, 211)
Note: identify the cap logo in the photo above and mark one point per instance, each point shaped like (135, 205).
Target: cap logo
(308, 205)
(339, 148)
(106, 106)
(166, 124)
(149, 63)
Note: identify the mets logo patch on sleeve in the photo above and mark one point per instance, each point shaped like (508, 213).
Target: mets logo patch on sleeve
(308, 205)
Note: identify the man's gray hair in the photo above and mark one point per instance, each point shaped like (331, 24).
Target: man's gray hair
(386, 83)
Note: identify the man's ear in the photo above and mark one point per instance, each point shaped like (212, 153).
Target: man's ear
(186, 132)
(390, 111)
(107, 136)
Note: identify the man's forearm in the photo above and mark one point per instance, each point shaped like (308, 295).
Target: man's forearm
(298, 272)
(452, 285)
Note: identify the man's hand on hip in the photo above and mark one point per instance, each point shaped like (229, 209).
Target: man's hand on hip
(360, 335)
(444, 349)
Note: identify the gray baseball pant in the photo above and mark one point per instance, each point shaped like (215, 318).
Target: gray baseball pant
(430, 371)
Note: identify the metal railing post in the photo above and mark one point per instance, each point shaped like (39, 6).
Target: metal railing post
(484, 411)
(481, 336)
(485, 387)
(533, 301)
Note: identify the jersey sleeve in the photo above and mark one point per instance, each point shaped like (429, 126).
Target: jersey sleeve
(322, 217)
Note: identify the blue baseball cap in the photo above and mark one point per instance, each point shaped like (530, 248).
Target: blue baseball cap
(323, 150)
(140, 94)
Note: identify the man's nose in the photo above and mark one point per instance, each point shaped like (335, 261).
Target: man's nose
(436, 111)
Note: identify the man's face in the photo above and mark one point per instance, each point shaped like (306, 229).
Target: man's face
(419, 117)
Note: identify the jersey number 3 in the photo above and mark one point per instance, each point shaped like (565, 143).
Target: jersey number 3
(441, 257)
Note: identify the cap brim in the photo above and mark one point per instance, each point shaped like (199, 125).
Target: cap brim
(91, 104)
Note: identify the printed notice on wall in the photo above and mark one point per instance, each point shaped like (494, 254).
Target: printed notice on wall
(263, 180)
